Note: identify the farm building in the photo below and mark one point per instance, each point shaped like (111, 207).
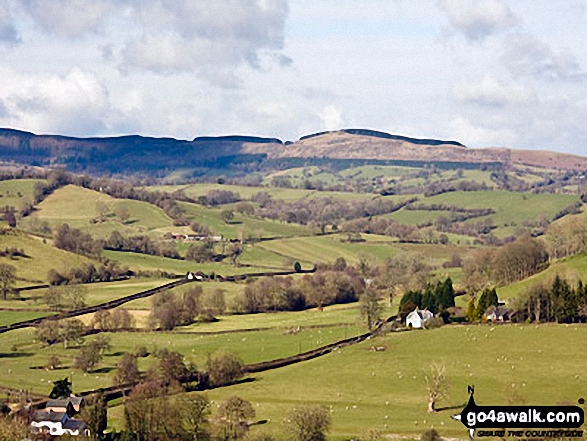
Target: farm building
(417, 317)
(498, 314)
(58, 423)
(70, 405)
(196, 237)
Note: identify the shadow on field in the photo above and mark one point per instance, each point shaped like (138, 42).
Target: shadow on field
(15, 354)
(244, 380)
(458, 406)
(116, 354)
(103, 370)
(44, 368)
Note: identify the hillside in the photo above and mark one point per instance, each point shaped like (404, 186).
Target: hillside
(40, 257)
(79, 207)
(242, 154)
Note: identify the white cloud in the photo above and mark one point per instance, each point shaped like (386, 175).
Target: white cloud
(549, 122)
(206, 35)
(75, 104)
(210, 37)
(331, 118)
(474, 134)
(526, 55)
(8, 32)
(69, 18)
(478, 19)
(492, 92)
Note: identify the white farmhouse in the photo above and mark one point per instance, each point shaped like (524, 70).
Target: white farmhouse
(58, 423)
(417, 317)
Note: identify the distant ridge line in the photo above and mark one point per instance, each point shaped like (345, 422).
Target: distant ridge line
(119, 138)
(240, 138)
(378, 134)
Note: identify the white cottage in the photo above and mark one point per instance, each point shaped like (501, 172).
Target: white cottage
(417, 317)
(58, 423)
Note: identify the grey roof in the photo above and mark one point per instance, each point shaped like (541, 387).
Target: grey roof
(75, 425)
(53, 417)
(64, 401)
(422, 312)
(57, 403)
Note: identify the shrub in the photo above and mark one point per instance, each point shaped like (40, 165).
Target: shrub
(433, 323)
(224, 368)
(430, 435)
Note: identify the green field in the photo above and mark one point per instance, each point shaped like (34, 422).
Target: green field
(511, 208)
(231, 290)
(452, 176)
(416, 217)
(241, 224)
(328, 248)
(77, 207)
(255, 255)
(41, 258)
(253, 347)
(287, 194)
(15, 192)
(10, 317)
(377, 171)
(330, 316)
(572, 269)
(386, 390)
(138, 262)
(435, 254)
(96, 293)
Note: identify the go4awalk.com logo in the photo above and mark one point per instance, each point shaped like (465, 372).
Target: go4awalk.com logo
(521, 421)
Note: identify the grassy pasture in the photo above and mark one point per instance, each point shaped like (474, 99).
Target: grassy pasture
(328, 248)
(10, 317)
(387, 390)
(299, 175)
(416, 217)
(331, 315)
(105, 291)
(247, 225)
(434, 254)
(96, 293)
(15, 192)
(77, 207)
(287, 194)
(572, 269)
(511, 208)
(138, 262)
(42, 257)
(253, 347)
(257, 256)
(377, 171)
(453, 176)
(231, 290)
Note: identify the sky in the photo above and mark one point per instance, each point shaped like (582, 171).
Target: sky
(482, 72)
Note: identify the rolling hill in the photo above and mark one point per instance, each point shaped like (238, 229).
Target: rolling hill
(139, 154)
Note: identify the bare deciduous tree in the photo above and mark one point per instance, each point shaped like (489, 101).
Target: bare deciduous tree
(437, 385)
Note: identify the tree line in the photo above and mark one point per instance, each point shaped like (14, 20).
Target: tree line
(507, 264)
(558, 301)
(435, 298)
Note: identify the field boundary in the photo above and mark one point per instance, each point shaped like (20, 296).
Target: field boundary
(88, 310)
(147, 293)
(113, 392)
